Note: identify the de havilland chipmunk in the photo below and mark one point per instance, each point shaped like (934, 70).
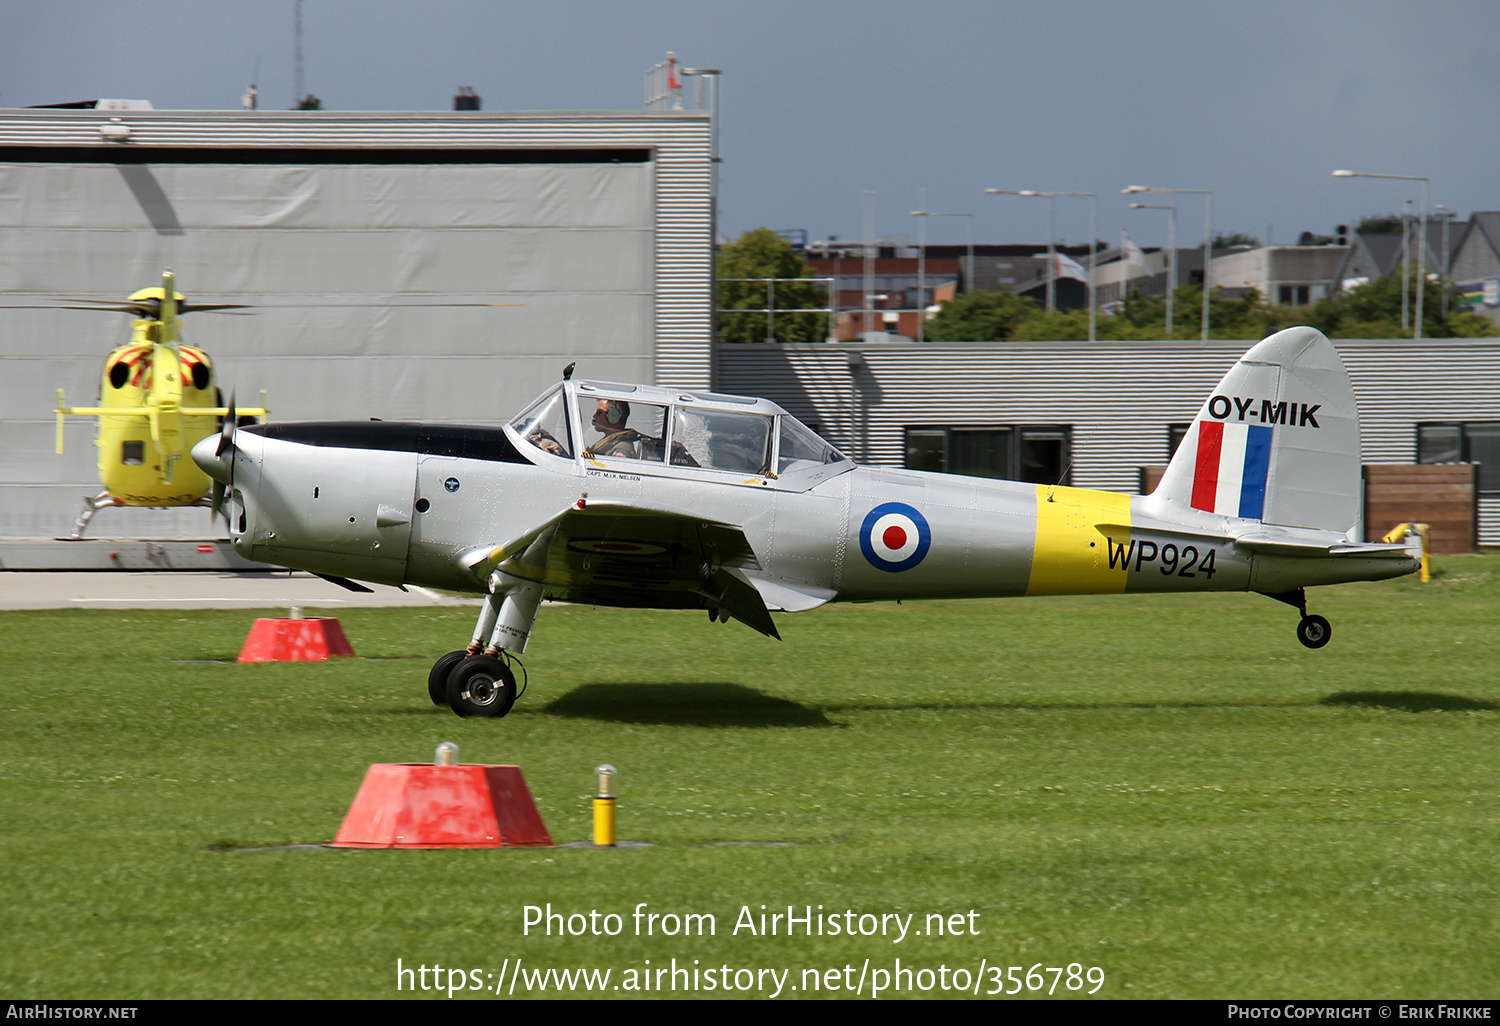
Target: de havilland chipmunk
(647, 497)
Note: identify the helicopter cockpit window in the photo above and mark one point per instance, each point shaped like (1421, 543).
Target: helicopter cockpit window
(619, 429)
(200, 375)
(740, 442)
(545, 424)
(802, 449)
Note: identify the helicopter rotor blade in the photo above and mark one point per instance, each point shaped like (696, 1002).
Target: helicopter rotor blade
(117, 308)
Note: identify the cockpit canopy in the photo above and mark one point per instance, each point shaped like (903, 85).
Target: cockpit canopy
(703, 430)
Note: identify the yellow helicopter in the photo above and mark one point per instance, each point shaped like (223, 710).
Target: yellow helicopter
(157, 399)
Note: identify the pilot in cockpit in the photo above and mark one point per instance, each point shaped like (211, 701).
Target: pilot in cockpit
(617, 439)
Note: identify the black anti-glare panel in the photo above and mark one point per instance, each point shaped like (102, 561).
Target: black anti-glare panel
(130, 153)
(470, 443)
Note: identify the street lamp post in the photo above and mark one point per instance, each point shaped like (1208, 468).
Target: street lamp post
(1405, 264)
(1171, 249)
(1447, 216)
(1052, 248)
(922, 263)
(709, 78)
(1208, 239)
(1051, 235)
(1421, 235)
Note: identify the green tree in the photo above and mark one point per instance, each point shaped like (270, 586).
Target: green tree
(981, 317)
(764, 254)
(1222, 241)
(309, 102)
(1373, 310)
(1379, 224)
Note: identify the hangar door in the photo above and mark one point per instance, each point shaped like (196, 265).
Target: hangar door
(448, 285)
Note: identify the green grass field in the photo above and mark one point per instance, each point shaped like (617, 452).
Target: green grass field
(1169, 789)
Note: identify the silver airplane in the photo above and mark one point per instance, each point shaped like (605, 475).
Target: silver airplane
(637, 496)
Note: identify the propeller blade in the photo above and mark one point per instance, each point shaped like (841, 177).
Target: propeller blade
(226, 433)
(226, 445)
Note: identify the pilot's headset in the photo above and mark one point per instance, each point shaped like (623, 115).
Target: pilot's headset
(616, 411)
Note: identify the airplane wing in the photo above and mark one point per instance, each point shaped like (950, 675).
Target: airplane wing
(634, 554)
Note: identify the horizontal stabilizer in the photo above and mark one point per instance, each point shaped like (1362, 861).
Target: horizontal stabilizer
(1307, 543)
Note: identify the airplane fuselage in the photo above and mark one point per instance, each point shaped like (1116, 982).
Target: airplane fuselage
(403, 503)
(643, 496)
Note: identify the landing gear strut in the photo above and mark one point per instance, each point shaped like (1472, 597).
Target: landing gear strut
(1312, 631)
(480, 680)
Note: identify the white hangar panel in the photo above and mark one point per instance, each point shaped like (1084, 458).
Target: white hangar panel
(503, 264)
(421, 196)
(414, 266)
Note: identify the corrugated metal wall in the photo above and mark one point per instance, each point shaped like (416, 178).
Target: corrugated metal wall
(1118, 397)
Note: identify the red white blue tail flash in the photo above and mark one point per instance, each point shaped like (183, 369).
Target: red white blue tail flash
(1230, 471)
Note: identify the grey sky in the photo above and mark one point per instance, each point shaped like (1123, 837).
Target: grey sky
(822, 99)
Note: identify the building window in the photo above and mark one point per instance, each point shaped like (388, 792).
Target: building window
(1175, 434)
(1463, 443)
(1295, 295)
(1039, 455)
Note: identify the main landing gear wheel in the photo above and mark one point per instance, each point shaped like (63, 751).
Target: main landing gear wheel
(437, 677)
(1314, 631)
(481, 686)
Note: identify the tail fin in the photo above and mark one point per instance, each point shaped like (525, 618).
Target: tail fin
(1277, 441)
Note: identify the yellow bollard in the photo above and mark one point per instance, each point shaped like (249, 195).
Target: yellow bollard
(1400, 533)
(604, 808)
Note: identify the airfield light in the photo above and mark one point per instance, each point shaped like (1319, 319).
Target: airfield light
(1051, 197)
(968, 273)
(1171, 209)
(294, 613)
(604, 808)
(446, 755)
(1208, 237)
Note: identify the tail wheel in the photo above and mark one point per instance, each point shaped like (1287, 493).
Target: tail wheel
(1314, 631)
(437, 677)
(481, 686)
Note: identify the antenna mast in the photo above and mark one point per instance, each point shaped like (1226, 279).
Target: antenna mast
(297, 92)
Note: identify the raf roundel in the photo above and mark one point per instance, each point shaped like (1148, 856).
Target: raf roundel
(894, 537)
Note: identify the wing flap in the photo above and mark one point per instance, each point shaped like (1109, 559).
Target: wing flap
(790, 597)
(737, 596)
